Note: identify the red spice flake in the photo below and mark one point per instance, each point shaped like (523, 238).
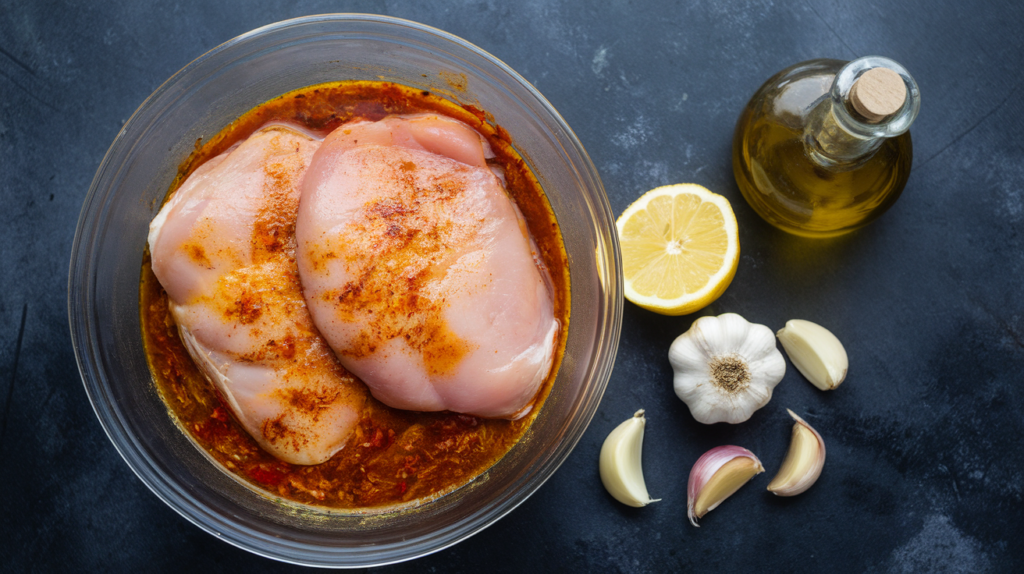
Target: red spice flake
(411, 464)
(374, 436)
(402, 487)
(212, 430)
(378, 439)
(246, 309)
(266, 474)
(219, 414)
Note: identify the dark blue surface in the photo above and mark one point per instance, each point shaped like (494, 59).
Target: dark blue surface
(925, 469)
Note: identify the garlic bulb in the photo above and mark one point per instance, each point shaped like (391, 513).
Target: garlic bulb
(725, 368)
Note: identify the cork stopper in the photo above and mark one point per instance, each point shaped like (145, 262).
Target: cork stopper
(877, 94)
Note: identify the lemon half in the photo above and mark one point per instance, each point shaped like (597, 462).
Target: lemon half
(680, 248)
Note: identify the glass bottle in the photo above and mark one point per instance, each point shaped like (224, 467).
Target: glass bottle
(815, 160)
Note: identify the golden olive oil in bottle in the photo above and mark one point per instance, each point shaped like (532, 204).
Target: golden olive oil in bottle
(823, 147)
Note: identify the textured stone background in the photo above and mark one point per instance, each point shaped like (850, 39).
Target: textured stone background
(924, 472)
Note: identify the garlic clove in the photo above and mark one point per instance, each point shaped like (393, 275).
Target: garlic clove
(815, 352)
(803, 463)
(621, 471)
(717, 475)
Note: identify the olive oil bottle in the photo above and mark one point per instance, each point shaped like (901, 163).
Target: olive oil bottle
(823, 147)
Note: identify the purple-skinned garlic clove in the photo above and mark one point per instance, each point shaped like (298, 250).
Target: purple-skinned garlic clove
(716, 475)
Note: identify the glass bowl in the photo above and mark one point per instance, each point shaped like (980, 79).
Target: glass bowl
(131, 182)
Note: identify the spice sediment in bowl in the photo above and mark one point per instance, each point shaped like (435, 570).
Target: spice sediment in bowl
(135, 176)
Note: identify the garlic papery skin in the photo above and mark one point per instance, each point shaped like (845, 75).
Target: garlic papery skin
(715, 476)
(803, 463)
(815, 352)
(621, 471)
(725, 368)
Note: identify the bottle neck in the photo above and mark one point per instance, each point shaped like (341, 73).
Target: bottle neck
(832, 144)
(836, 137)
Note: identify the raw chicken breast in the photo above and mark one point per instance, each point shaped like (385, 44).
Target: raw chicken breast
(419, 271)
(223, 248)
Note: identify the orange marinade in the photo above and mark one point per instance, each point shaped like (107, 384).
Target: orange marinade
(394, 457)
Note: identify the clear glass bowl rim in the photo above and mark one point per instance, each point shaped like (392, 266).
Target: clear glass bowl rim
(234, 531)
